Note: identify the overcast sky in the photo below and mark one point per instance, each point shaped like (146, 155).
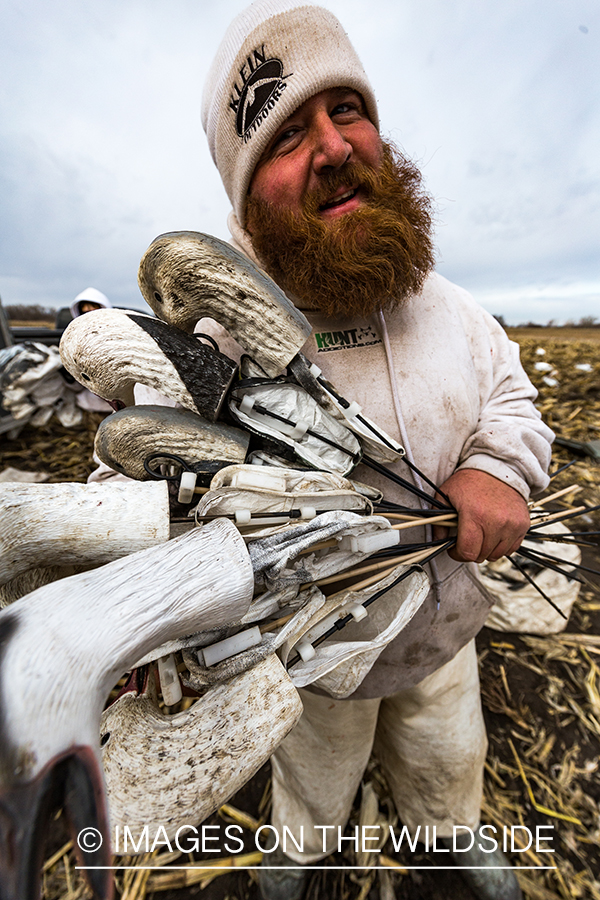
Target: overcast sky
(101, 147)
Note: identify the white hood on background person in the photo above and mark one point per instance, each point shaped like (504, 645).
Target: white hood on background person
(92, 295)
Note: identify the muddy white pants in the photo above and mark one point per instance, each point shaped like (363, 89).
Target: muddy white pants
(431, 743)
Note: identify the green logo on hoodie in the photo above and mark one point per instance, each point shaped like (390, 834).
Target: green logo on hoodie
(350, 339)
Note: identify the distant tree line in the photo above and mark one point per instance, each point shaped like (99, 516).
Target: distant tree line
(23, 312)
(583, 322)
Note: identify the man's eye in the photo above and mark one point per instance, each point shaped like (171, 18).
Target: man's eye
(285, 135)
(344, 109)
(285, 139)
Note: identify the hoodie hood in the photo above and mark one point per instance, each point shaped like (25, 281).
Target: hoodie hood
(91, 295)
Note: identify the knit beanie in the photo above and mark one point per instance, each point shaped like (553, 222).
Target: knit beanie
(275, 55)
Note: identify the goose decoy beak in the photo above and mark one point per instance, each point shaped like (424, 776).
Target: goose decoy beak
(113, 350)
(186, 275)
(74, 782)
(125, 439)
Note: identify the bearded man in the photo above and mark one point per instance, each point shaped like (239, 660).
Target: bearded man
(340, 220)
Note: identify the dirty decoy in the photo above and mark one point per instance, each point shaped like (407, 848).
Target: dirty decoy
(125, 440)
(111, 350)
(185, 276)
(62, 648)
(77, 524)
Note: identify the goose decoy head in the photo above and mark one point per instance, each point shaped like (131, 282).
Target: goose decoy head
(72, 780)
(186, 275)
(127, 438)
(113, 350)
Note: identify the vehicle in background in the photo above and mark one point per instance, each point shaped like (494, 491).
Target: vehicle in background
(17, 334)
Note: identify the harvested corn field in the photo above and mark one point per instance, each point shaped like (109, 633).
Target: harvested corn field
(541, 698)
(567, 376)
(64, 454)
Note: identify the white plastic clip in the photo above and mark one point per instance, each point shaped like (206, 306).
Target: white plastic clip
(314, 370)
(243, 640)
(186, 487)
(247, 403)
(370, 543)
(299, 430)
(305, 650)
(353, 410)
(242, 516)
(357, 611)
(307, 512)
(170, 684)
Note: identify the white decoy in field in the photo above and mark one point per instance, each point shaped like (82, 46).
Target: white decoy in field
(112, 350)
(62, 648)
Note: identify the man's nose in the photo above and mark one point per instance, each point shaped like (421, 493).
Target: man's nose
(331, 149)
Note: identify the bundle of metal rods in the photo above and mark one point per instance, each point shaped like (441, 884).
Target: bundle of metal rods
(415, 554)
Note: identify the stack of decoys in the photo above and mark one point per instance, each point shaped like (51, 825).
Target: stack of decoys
(289, 564)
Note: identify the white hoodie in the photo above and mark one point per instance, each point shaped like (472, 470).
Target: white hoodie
(440, 375)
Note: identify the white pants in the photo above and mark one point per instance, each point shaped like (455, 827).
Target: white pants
(430, 741)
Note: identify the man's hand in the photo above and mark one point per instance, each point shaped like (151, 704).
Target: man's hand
(492, 517)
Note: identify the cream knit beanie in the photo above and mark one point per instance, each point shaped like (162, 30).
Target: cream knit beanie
(274, 56)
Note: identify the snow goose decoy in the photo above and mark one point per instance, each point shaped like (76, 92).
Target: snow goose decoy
(185, 276)
(77, 524)
(127, 438)
(172, 771)
(113, 350)
(62, 648)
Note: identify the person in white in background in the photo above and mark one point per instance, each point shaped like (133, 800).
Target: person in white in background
(88, 301)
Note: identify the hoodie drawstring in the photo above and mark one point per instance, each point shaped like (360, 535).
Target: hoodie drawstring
(404, 438)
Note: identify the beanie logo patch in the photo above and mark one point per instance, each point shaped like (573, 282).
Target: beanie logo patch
(263, 82)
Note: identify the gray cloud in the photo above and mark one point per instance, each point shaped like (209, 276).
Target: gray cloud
(101, 147)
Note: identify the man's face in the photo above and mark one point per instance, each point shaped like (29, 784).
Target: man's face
(328, 130)
(337, 217)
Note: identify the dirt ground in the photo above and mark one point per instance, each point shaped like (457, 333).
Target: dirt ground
(541, 701)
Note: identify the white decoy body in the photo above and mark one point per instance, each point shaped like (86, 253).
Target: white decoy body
(62, 648)
(109, 351)
(78, 524)
(185, 276)
(172, 771)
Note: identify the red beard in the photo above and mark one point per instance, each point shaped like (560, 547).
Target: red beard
(369, 259)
